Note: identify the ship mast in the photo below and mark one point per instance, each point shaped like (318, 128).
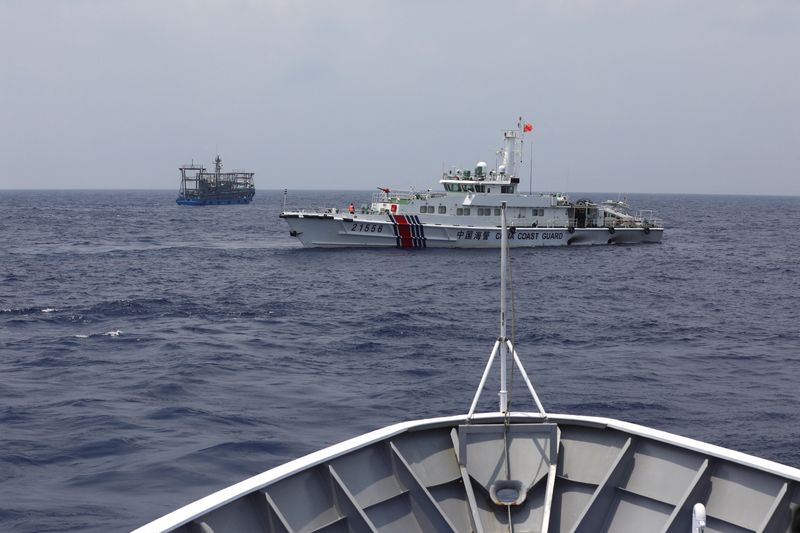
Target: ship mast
(217, 171)
(511, 151)
(503, 339)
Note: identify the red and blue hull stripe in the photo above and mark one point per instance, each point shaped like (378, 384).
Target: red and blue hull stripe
(408, 231)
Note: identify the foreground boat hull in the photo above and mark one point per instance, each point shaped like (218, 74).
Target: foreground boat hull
(335, 231)
(584, 474)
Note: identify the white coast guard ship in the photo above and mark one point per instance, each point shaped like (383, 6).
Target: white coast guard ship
(467, 214)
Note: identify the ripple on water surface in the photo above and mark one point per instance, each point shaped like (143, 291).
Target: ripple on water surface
(153, 353)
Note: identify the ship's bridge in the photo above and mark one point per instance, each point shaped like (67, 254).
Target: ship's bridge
(479, 180)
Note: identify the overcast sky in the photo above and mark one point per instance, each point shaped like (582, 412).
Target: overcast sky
(631, 96)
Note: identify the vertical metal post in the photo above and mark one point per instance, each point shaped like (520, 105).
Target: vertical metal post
(503, 348)
(531, 170)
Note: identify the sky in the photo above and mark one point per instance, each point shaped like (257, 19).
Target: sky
(674, 96)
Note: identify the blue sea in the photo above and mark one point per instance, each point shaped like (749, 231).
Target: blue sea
(151, 354)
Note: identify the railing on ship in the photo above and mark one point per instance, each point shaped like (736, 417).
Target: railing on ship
(639, 221)
(393, 197)
(636, 222)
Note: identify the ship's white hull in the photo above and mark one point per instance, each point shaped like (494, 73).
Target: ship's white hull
(392, 231)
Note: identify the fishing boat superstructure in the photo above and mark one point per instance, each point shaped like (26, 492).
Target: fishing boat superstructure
(507, 472)
(199, 187)
(467, 214)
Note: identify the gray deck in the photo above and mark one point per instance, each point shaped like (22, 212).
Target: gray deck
(441, 478)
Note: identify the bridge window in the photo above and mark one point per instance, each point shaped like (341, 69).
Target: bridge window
(506, 189)
(442, 209)
(497, 212)
(460, 211)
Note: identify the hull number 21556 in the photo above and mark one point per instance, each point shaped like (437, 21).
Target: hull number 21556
(371, 228)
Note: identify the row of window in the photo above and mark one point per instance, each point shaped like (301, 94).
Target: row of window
(431, 209)
(482, 211)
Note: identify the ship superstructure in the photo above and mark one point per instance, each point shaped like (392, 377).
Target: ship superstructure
(466, 214)
(199, 187)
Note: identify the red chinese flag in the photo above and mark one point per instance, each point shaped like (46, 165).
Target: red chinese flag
(527, 127)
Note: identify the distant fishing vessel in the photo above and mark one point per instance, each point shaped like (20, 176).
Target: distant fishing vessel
(467, 214)
(199, 187)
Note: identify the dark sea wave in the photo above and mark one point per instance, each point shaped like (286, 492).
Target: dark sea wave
(151, 354)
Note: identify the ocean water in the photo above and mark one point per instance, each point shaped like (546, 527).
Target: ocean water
(151, 354)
